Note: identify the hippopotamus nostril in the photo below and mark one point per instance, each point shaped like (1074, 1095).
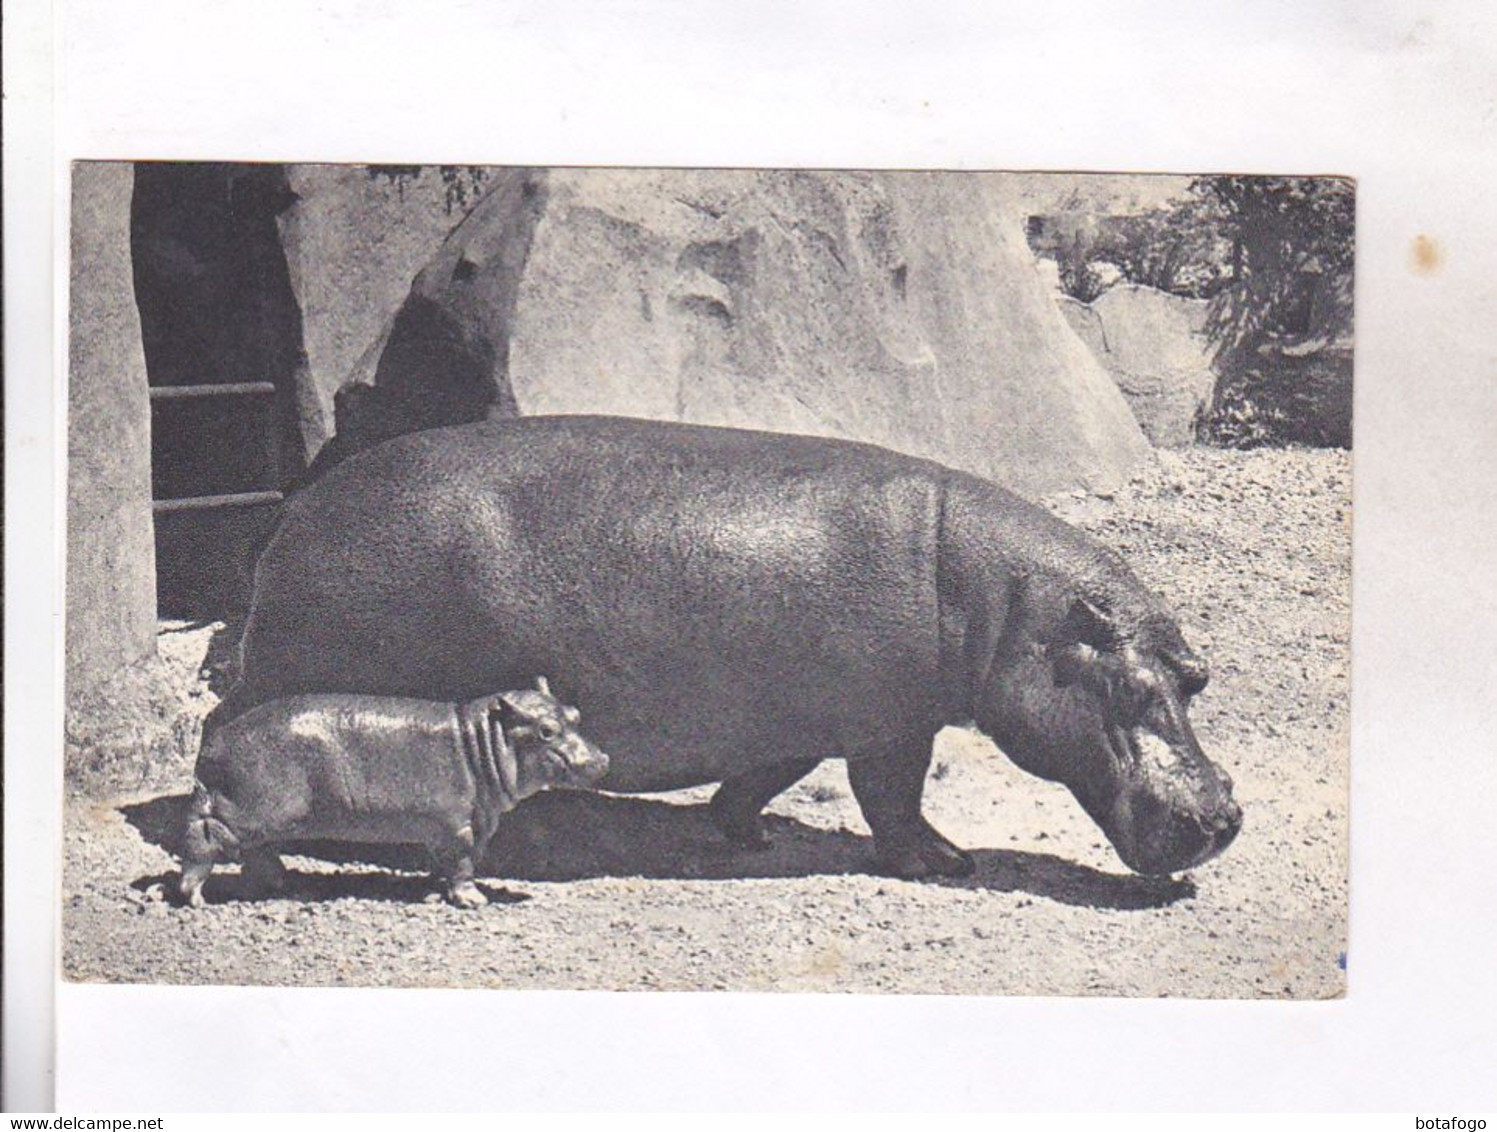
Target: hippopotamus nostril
(1224, 823)
(1226, 819)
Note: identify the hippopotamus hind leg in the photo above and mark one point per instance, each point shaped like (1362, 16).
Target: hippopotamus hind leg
(206, 840)
(194, 873)
(889, 789)
(740, 800)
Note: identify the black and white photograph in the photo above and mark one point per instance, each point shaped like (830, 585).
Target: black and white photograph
(708, 579)
(689, 557)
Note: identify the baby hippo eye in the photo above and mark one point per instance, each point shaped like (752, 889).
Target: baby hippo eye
(548, 731)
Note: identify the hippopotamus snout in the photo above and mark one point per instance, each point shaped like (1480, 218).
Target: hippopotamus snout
(1157, 832)
(1187, 840)
(583, 762)
(1222, 821)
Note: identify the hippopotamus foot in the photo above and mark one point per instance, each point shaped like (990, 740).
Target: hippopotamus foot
(454, 861)
(889, 789)
(466, 895)
(737, 806)
(928, 854)
(194, 873)
(263, 873)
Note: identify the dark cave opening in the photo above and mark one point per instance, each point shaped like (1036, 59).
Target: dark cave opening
(217, 308)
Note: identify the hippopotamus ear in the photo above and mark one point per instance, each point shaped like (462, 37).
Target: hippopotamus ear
(1089, 624)
(542, 686)
(1073, 664)
(1075, 652)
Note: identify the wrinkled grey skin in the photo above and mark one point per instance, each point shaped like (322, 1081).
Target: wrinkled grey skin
(381, 770)
(734, 606)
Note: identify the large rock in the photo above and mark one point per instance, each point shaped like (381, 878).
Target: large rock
(354, 238)
(899, 308)
(1154, 347)
(111, 561)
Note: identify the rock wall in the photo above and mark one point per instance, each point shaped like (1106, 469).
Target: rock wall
(899, 308)
(111, 561)
(1153, 346)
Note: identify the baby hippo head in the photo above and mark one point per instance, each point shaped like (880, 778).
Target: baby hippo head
(548, 749)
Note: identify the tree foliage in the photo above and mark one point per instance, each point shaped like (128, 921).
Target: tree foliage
(1078, 278)
(1280, 326)
(1274, 255)
(462, 185)
(1290, 263)
(1178, 249)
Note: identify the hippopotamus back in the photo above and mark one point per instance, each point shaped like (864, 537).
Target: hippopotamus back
(709, 598)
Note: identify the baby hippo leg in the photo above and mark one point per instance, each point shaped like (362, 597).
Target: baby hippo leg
(205, 842)
(194, 873)
(453, 855)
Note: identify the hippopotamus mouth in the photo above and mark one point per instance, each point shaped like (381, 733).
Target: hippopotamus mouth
(1167, 814)
(1158, 844)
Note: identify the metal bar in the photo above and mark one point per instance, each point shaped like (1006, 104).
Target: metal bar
(209, 502)
(232, 389)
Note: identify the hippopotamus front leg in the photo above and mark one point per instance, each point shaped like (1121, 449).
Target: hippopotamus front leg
(263, 872)
(453, 856)
(889, 787)
(740, 800)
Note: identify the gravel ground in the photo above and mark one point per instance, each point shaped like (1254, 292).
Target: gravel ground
(594, 891)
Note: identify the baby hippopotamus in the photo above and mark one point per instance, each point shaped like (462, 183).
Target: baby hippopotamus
(378, 769)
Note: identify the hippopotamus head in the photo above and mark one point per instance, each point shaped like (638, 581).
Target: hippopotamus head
(1099, 703)
(549, 751)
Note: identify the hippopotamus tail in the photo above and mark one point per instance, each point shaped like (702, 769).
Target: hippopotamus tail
(206, 838)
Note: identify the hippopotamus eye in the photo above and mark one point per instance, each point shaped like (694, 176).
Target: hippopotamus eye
(1189, 669)
(548, 731)
(1123, 689)
(1128, 700)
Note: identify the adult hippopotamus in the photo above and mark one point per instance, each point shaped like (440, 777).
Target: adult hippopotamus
(735, 606)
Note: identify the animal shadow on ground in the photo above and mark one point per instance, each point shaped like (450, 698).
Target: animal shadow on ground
(567, 835)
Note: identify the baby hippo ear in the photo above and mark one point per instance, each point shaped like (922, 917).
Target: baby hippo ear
(505, 707)
(542, 686)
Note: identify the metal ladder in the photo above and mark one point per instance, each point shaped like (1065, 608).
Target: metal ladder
(214, 502)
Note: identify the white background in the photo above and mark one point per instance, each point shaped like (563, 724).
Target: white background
(1401, 95)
